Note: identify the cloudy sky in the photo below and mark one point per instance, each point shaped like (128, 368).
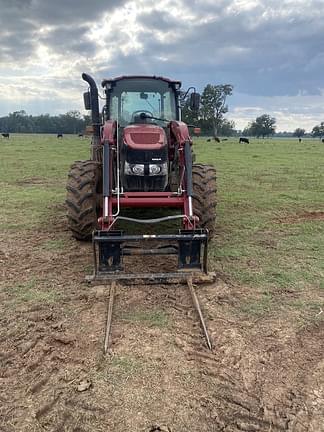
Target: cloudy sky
(272, 51)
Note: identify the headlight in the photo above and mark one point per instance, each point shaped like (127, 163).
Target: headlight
(138, 169)
(155, 169)
(134, 169)
(158, 169)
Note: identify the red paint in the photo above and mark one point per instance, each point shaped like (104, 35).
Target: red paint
(122, 77)
(148, 194)
(150, 137)
(150, 199)
(108, 131)
(180, 131)
(145, 137)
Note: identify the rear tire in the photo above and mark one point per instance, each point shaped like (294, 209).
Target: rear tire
(204, 196)
(82, 198)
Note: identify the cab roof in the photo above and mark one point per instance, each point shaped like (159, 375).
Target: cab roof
(126, 77)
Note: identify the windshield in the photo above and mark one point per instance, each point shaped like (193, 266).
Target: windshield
(129, 98)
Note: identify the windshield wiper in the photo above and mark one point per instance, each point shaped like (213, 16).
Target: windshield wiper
(145, 116)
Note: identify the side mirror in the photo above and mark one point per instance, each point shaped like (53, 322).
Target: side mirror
(87, 100)
(194, 101)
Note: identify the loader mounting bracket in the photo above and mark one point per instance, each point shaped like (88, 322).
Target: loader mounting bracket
(109, 248)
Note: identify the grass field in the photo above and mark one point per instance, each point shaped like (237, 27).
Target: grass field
(270, 212)
(271, 215)
(268, 253)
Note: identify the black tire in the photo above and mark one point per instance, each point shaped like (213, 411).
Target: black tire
(83, 198)
(204, 196)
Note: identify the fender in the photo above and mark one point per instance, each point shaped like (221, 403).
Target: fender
(108, 132)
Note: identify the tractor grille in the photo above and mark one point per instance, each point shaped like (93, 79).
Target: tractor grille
(145, 138)
(145, 183)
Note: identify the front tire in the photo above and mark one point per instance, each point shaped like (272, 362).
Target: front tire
(82, 199)
(204, 196)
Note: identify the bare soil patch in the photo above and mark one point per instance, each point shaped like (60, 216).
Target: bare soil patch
(31, 181)
(264, 374)
(303, 217)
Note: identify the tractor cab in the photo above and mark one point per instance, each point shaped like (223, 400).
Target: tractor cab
(138, 99)
(143, 107)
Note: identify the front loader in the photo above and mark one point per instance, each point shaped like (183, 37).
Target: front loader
(141, 157)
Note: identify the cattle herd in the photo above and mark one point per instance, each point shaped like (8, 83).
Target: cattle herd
(80, 135)
(216, 139)
(241, 140)
(59, 135)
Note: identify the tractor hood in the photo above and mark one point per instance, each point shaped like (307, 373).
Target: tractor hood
(145, 137)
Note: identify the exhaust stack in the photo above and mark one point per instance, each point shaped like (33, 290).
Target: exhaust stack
(95, 116)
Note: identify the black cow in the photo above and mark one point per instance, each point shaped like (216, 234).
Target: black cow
(217, 139)
(59, 136)
(299, 140)
(322, 139)
(5, 135)
(208, 140)
(80, 135)
(224, 139)
(244, 140)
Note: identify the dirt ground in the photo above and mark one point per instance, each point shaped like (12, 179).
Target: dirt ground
(306, 216)
(264, 374)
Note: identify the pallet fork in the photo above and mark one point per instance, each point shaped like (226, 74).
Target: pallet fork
(109, 248)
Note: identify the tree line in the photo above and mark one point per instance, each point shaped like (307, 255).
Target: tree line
(262, 126)
(265, 125)
(210, 118)
(20, 122)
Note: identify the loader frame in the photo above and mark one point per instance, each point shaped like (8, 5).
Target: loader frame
(111, 245)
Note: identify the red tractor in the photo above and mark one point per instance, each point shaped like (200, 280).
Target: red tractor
(141, 156)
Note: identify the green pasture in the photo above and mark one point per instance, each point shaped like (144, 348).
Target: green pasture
(268, 192)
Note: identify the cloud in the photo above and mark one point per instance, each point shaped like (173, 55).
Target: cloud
(266, 49)
(23, 24)
(261, 50)
(64, 40)
(290, 112)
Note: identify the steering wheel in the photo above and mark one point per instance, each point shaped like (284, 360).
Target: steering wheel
(135, 114)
